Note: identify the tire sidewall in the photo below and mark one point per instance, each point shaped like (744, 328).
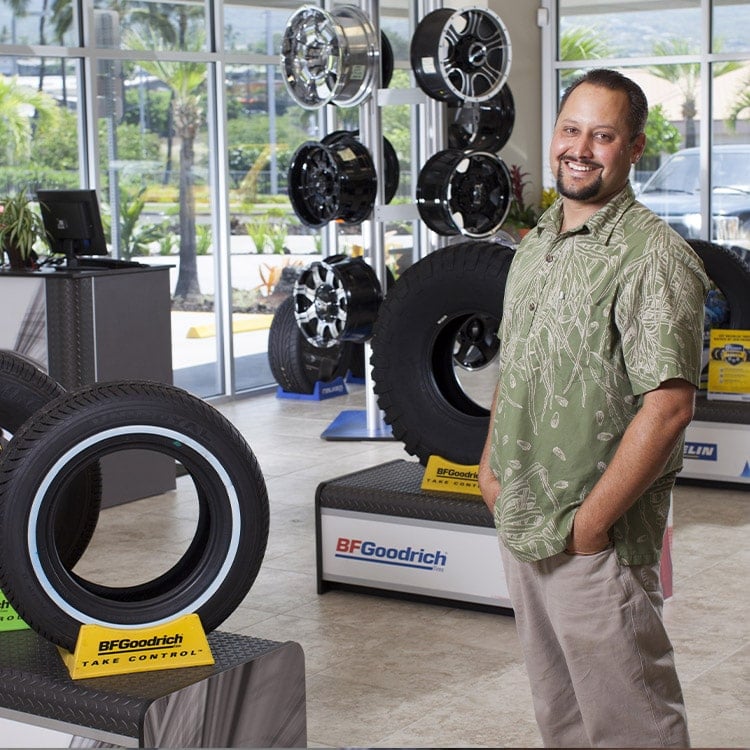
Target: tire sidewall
(42, 589)
(428, 302)
(24, 390)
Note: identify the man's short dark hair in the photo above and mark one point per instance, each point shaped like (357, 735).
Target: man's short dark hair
(611, 79)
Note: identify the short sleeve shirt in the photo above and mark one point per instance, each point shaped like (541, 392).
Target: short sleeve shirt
(593, 318)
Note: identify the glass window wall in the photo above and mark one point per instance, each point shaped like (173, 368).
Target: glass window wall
(697, 86)
(39, 124)
(177, 114)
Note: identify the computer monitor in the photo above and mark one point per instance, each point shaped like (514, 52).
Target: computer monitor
(73, 223)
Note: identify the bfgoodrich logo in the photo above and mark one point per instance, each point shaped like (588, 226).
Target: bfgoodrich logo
(405, 557)
(701, 451)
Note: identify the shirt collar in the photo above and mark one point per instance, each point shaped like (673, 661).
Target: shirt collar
(600, 223)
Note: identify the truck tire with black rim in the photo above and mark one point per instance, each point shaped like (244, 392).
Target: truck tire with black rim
(24, 389)
(421, 355)
(727, 269)
(76, 429)
(730, 273)
(295, 363)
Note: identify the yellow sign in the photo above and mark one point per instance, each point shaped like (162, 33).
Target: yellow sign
(102, 651)
(729, 364)
(9, 618)
(445, 476)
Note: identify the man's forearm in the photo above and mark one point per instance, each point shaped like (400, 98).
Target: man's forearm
(639, 460)
(488, 483)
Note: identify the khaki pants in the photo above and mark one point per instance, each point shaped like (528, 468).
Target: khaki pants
(599, 659)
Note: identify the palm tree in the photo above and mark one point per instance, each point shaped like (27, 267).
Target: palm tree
(184, 80)
(740, 104)
(18, 106)
(581, 43)
(686, 76)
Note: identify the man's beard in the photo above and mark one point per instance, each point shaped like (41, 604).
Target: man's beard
(584, 193)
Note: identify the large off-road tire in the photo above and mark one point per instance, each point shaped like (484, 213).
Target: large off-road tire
(295, 363)
(728, 270)
(435, 329)
(730, 273)
(24, 389)
(220, 564)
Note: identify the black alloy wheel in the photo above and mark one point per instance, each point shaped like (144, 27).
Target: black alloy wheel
(464, 193)
(337, 300)
(461, 56)
(486, 126)
(333, 181)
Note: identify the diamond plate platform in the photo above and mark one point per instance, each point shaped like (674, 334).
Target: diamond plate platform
(253, 696)
(378, 532)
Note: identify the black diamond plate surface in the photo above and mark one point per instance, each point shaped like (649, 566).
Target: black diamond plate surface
(732, 412)
(394, 489)
(34, 680)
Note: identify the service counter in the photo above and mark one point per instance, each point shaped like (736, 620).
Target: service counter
(95, 325)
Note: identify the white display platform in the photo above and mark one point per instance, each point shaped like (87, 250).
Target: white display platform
(717, 451)
(413, 556)
(378, 532)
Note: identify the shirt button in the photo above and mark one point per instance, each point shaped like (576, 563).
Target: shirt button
(532, 306)
(549, 257)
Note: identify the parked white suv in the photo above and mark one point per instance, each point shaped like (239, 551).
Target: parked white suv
(673, 192)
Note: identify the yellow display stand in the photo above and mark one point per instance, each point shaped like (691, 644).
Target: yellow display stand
(445, 476)
(102, 651)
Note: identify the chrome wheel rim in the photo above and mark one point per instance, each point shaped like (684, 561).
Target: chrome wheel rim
(329, 57)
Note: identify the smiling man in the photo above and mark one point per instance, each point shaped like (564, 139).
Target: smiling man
(601, 342)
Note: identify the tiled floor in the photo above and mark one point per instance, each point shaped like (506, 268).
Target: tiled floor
(382, 672)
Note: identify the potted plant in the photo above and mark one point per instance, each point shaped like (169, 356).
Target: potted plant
(523, 216)
(20, 227)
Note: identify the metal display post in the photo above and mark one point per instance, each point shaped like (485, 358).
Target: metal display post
(353, 425)
(371, 131)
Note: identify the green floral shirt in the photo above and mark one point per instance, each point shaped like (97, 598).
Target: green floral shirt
(593, 318)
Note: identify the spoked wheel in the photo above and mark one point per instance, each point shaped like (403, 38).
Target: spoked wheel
(296, 364)
(332, 181)
(476, 343)
(482, 127)
(330, 57)
(464, 193)
(337, 300)
(461, 56)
